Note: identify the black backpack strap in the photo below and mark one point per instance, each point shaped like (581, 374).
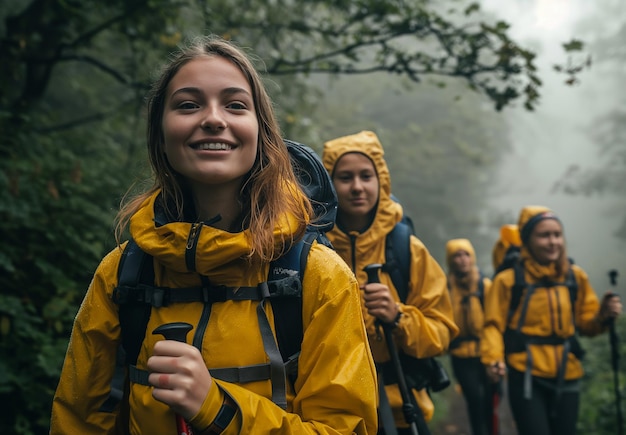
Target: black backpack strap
(519, 284)
(480, 290)
(398, 258)
(287, 307)
(135, 267)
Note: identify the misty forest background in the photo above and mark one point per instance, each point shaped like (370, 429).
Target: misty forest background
(482, 109)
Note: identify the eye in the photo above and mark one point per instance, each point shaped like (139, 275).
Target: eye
(236, 105)
(187, 105)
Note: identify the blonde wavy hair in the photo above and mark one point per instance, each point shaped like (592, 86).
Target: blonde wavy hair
(263, 196)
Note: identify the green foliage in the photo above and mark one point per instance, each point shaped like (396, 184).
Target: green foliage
(598, 410)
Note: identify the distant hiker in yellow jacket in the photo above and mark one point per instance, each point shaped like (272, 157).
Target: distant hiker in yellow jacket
(423, 323)
(468, 288)
(532, 315)
(225, 203)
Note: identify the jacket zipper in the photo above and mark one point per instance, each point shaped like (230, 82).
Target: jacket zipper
(353, 252)
(192, 243)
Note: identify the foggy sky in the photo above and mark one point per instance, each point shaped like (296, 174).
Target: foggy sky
(556, 135)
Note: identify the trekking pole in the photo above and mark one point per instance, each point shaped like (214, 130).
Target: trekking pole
(496, 395)
(615, 355)
(407, 405)
(177, 331)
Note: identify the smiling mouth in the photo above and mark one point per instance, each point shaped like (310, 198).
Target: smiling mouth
(220, 146)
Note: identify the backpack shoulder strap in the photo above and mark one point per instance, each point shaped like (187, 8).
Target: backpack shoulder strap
(135, 267)
(481, 289)
(518, 288)
(398, 258)
(572, 285)
(288, 308)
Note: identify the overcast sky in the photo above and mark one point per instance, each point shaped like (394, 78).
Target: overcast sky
(555, 136)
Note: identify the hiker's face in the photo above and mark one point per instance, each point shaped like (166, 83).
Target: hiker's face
(546, 241)
(210, 126)
(356, 183)
(461, 262)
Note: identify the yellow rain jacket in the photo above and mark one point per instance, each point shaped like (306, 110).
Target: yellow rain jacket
(549, 313)
(426, 325)
(335, 391)
(466, 302)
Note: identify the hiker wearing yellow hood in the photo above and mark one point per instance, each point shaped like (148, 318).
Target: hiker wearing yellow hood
(423, 324)
(468, 287)
(532, 315)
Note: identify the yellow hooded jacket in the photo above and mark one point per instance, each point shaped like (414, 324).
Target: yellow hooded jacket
(426, 325)
(549, 313)
(335, 391)
(466, 303)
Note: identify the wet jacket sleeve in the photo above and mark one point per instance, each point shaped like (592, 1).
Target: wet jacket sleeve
(587, 306)
(496, 301)
(426, 326)
(87, 370)
(335, 392)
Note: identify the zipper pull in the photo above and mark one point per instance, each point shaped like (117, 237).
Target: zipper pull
(192, 242)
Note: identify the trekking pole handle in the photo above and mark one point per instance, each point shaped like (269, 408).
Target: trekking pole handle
(613, 277)
(407, 407)
(372, 272)
(177, 331)
(613, 280)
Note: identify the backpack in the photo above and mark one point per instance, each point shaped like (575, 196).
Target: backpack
(480, 294)
(419, 372)
(136, 294)
(511, 257)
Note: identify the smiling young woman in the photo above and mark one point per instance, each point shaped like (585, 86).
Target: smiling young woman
(224, 204)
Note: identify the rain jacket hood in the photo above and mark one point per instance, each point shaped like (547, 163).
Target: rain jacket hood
(388, 211)
(455, 245)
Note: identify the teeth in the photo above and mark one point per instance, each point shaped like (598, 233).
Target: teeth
(213, 146)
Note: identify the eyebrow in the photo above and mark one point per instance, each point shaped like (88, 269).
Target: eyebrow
(226, 91)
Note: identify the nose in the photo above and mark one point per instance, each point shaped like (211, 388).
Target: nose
(213, 119)
(357, 185)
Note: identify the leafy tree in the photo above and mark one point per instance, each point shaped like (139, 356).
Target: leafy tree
(72, 82)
